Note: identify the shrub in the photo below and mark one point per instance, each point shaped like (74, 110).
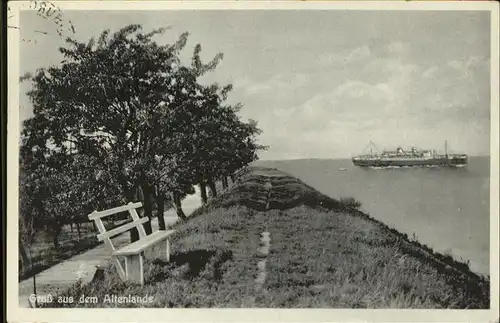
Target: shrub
(349, 203)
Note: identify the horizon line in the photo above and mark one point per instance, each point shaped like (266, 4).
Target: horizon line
(334, 158)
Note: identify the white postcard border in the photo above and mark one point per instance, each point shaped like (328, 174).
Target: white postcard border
(17, 314)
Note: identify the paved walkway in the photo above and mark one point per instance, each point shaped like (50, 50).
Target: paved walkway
(67, 273)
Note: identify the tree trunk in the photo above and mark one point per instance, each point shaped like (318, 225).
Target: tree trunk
(134, 235)
(178, 206)
(56, 232)
(203, 193)
(130, 196)
(71, 226)
(148, 206)
(160, 212)
(34, 279)
(148, 228)
(211, 185)
(78, 230)
(25, 260)
(225, 183)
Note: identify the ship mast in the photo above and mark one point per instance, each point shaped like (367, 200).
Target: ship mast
(446, 148)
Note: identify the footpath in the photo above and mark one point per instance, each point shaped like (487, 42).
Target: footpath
(83, 266)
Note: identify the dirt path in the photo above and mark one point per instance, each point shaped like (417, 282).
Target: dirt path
(67, 273)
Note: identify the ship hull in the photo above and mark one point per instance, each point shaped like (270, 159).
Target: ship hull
(433, 162)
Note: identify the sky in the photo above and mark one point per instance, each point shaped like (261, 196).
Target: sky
(322, 83)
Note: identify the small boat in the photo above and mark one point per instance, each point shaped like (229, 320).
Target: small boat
(342, 169)
(410, 158)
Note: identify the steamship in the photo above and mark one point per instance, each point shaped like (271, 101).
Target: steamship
(410, 158)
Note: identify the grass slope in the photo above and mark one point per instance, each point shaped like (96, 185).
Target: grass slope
(324, 253)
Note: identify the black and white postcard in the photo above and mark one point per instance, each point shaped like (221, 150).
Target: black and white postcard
(253, 161)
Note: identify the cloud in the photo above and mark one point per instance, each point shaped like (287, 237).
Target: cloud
(459, 88)
(398, 48)
(242, 82)
(359, 89)
(355, 55)
(391, 99)
(358, 54)
(430, 72)
(335, 114)
(282, 82)
(349, 97)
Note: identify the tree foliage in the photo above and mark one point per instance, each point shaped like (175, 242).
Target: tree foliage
(122, 115)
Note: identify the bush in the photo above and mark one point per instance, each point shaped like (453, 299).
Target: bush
(349, 203)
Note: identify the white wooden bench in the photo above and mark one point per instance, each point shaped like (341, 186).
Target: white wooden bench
(133, 253)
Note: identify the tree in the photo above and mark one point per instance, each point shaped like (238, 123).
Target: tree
(111, 100)
(27, 229)
(220, 142)
(58, 189)
(172, 187)
(122, 114)
(37, 170)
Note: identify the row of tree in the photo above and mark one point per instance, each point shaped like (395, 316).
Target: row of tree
(123, 119)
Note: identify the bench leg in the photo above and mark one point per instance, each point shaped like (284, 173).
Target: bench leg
(134, 268)
(119, 268)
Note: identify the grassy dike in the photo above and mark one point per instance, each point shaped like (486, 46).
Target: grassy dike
(323, 253)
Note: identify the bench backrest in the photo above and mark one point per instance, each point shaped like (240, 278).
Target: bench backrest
(137, 222)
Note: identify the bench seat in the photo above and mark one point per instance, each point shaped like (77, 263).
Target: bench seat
(143, 243)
